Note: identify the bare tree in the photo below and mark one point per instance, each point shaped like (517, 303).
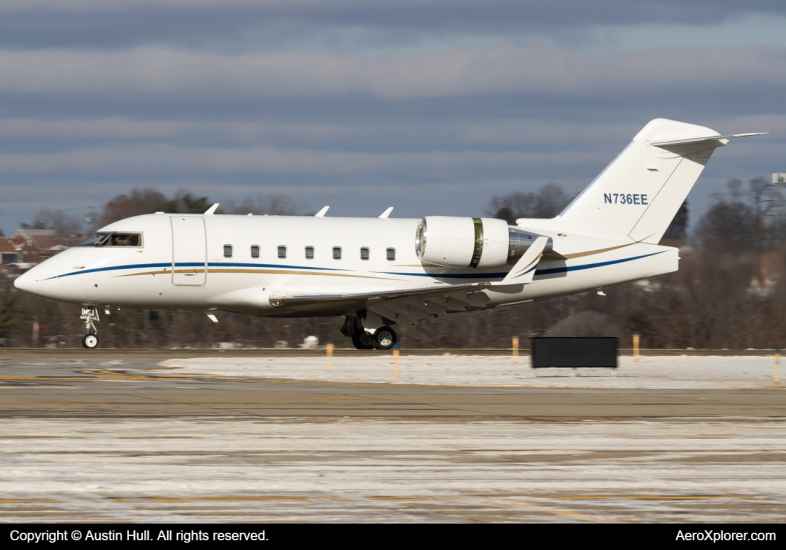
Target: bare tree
(740, 222)
(136, 203)
(280, 205)
(547, 202)
(60, 222)
(678, 228)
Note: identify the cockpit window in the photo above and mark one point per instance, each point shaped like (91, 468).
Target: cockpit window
(124, 239)
(113, 239)
(96, 239)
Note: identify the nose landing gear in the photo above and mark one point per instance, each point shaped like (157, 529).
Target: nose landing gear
(90, 341)
(90, 314)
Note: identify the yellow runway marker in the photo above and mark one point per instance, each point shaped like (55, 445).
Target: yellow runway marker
(28, 500)
(636, 497)
(215, 499)
(550, 510)
(416, 499)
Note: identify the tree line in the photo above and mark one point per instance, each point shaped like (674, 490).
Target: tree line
(730, 290)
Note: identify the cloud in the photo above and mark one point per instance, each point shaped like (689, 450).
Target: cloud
(455, 72)
(339, 24)
(166, 159)
(391, 132)
(414, 11)
(429, 104)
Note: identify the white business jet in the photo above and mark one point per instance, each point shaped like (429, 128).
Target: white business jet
(380, 272)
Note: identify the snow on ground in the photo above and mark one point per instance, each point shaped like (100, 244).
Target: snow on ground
(462, 370)
(267, 470)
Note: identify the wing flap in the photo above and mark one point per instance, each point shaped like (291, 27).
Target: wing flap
(281, 299)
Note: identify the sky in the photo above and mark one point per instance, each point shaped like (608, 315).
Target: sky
(429, 106)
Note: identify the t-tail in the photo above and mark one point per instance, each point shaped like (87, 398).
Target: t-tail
(639, 193)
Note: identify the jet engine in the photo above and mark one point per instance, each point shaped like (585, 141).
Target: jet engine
(471, 242)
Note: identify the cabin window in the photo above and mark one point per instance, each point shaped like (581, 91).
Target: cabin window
(309, 252)
(255, 251)
(282, 251)
(364, 253)
(227, 251)
(391, 254)
(336, 252)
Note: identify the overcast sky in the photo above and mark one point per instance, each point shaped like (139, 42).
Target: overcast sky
(430, 106)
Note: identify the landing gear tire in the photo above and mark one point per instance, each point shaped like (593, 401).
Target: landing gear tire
(362, 340)
(384, 338)
(90, 341)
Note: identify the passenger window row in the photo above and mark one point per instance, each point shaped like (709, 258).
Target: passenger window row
(282, 252)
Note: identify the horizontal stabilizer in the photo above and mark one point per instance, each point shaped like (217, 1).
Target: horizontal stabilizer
(701, 139)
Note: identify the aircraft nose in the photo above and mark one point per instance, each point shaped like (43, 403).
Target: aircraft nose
(25, 282)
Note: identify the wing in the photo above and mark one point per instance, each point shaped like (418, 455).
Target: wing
(410, 305)
(283, 299)
(402, 305)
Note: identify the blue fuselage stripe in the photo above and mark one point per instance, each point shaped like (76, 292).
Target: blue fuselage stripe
(589, 266)
(432, 275)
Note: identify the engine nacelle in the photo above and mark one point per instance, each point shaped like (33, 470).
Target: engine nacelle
(471, 242)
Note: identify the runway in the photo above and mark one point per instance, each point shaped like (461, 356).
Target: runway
(135, 438)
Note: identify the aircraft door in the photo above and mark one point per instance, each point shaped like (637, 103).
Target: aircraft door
(189, 251)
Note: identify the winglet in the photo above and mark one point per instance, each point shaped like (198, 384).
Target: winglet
(386, 213)
(321, 213)
(211, 210)
(524, 269)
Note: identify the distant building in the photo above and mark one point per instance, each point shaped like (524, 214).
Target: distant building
(35, 233)
(37, 245)
(8, 252)
(17, 268)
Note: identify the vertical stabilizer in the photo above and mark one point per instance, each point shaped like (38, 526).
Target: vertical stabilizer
(639, 193)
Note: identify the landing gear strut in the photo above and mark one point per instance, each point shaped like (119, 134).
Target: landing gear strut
(90, 314)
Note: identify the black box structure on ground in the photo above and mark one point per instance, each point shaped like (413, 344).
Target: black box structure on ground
(574, 352)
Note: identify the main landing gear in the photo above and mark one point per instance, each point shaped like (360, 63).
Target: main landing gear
(362, 340)
(382, 338)
(90, 314)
